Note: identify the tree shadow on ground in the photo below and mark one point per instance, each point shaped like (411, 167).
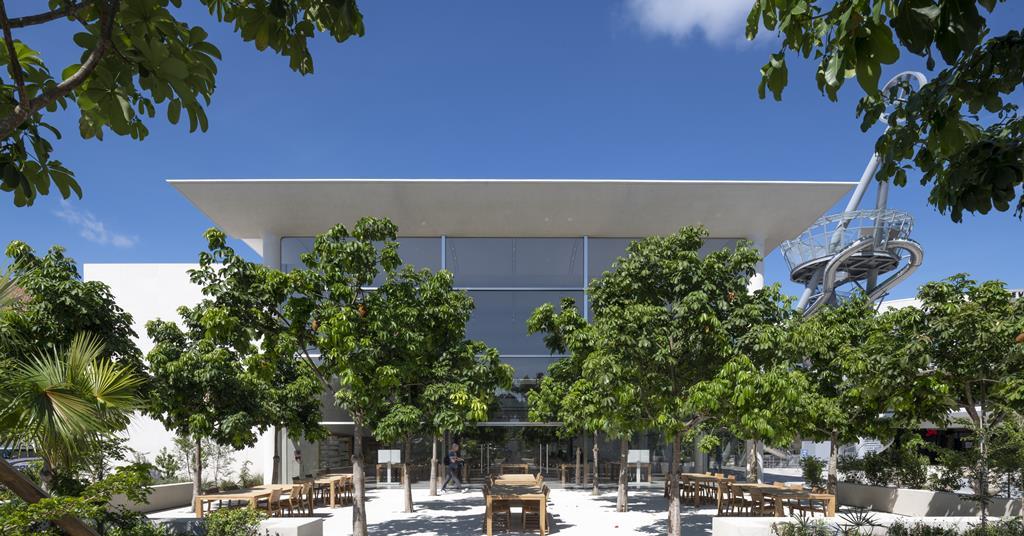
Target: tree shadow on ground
(692, 524)
(644, 503)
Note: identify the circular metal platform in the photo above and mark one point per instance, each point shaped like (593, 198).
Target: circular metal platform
(833, 234)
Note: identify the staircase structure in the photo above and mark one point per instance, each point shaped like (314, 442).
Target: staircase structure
(866, 250)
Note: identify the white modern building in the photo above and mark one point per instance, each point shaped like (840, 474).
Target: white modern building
(511, 244)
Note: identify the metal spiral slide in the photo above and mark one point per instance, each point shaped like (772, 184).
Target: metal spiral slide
(848, 252)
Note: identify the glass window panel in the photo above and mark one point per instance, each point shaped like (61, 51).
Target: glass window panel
(603, 252)
(416, 251)
(291, 248)
(515, 262)
(500, 319)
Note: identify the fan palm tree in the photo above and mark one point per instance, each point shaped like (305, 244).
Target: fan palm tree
(59, 403)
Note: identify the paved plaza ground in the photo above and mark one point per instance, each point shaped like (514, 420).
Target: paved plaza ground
(573, 512)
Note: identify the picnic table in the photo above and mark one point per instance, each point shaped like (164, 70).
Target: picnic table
(780, 494)
(507, 468)
(335, 482)
(250, 495)
(520, 493)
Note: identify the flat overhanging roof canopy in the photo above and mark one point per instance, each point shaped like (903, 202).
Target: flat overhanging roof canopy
(764, 211)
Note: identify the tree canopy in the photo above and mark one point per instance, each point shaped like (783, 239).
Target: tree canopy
(54, 304)
(962, 130)
(137, 56)
(957, 352)
(668, 317)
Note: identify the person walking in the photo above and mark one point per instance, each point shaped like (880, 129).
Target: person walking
(453, 468)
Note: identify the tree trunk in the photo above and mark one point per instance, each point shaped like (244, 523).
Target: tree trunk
(406, 477)
(674, 528)
(983, 492)
(833, 463)
(594, 490)
(755, 462)
(275, 475)
(358, 479)
(27, 490)
(579, 465)
(197, 471)
(621, 503)
(433, 465)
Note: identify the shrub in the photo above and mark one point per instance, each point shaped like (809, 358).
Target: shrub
(802, 527)
(812, 469)
(233, 522)
(851, 469)
(246, 478)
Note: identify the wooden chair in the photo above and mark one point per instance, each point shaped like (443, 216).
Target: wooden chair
(272, 503)
(531, 513)
(294, 501)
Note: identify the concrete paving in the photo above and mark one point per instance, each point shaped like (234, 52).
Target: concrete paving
(572, 512)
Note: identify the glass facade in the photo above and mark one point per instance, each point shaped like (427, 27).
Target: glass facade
(508, 278)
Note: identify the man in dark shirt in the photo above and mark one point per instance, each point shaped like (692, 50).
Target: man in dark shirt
(453, 467)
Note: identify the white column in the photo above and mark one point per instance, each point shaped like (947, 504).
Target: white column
(271, 258)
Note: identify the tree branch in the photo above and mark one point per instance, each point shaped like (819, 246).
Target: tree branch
(12, 55)
(66, 10)
(21, 113)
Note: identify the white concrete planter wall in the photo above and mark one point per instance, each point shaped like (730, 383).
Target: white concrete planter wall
(920, 503)
(164, 497)
(762, 526)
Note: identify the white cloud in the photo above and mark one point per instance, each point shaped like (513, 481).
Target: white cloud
(720, 21)
(92, 229)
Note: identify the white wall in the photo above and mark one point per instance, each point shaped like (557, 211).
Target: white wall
(148, 292)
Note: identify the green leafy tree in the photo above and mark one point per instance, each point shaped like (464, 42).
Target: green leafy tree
(211, 380)
(759, 395)
(167, 463)
(136, 57)
(458, 391)
(582, 391)
(665, 316)
(962, 339)
(440, 378)
(54, 304)
(962, 130)
(831, 347)
(769, 405)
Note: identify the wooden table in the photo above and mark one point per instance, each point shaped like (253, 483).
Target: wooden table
(520, 468)
(564, 468)
(701, 477)
(335, 481)
(516, 479)
(520, 493)
(789, 493)
(250, 495)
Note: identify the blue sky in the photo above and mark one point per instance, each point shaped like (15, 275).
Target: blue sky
(469, 89)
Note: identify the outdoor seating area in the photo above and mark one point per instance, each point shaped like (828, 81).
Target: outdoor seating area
(736, 498)
(525, 493)
(298, 498)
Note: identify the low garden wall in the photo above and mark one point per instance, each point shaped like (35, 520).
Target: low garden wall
(164, 497)
(762, 526)
(919, 502)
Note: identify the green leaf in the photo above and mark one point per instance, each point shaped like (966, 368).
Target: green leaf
(174, 111)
